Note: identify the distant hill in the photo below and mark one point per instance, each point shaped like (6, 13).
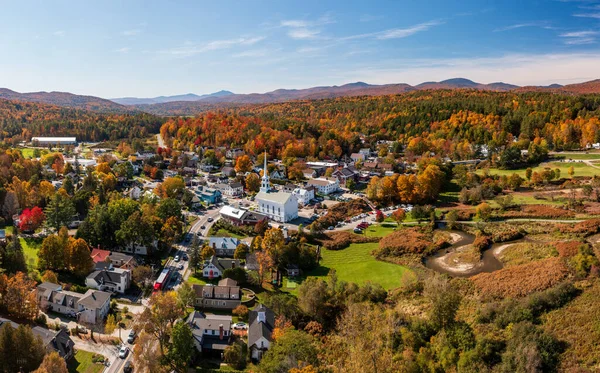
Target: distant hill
(581, 88)
(460, 83)
(163, 99)
(65, 99)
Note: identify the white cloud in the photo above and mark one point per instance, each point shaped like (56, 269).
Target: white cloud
(303, 33)
(190, 49)
(294, 23)
(542, 24)
(123, 50)
(404, 32)
(59, 33)
(304, 29)
(595, 15)
(579, 37)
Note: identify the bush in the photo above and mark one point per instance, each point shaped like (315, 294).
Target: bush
(241, 311)
(41, 320)
(407, 241)
(567, 249)
(481, 243)
(539, 211)
(341, 240)
(584, 228)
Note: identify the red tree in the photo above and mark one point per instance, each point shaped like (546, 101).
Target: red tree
(31, 219)
(379, 216)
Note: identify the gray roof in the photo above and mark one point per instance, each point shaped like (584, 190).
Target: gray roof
(223, 264)
(94, 299)
(224, 242)
(106, 276)
(58, 341)
(277, 197)
(260, 328)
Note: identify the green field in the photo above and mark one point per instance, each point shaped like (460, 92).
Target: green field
(82, 363)
(225, 233)
(27, 152)
(356, 264)
(588, 156)
(30, 249)
(581, 169)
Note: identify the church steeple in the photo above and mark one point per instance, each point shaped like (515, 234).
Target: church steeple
(265, 184)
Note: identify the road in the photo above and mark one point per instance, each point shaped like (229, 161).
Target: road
(161, 142)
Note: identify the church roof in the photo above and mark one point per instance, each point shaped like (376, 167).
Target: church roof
(277, 197)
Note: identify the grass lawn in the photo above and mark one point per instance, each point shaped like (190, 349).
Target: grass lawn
(30, 249)
(581, 169)
(82, 363)
(192, 280)
(27, 152)
(356, 264)
(584, 156)
(225, 233)
(380, 230)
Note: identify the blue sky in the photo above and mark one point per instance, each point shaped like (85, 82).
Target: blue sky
(151, 48)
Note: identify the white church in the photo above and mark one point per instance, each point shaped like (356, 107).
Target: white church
(278, 206)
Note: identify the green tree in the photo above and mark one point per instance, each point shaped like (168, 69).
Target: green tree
(186, 295)
(20, 349)
(52, 254)
(451, 218)
(289, 351)
(59, 211)
(528, 173)
(181, 347)
(483, 211)
(78, 258)
(444, 299)
(167, 208)
(235, 355)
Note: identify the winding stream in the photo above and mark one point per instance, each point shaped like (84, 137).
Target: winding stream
(489, 259)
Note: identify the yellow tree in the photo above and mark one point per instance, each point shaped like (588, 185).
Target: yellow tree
(20, 300)
(158, 318)
(252, 182)
(243, 164)
(79, 260)
(53, 363)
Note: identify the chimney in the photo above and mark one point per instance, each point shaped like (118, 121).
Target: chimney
(215, 246)
(221, 331)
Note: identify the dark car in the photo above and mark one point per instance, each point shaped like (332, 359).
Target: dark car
(128, 367)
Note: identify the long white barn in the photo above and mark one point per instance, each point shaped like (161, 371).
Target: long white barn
(54, 140)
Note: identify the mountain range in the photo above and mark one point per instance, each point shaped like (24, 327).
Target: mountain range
(192, 103)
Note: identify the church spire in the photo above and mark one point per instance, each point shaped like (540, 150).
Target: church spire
(265, 184)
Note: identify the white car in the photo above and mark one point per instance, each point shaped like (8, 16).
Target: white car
(177, 258)
(123, 352)
(240, 326)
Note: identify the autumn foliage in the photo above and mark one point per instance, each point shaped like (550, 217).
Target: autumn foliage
(31, 219)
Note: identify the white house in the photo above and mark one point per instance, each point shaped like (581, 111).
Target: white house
(91, 307)
(278, 206)
(215, 267)
(108, 278)
(304, 195)
(234, 189)
(325, 186)
(260, 331)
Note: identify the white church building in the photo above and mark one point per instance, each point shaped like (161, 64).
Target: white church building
(278, 206)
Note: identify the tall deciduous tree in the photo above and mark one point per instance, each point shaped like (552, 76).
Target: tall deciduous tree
(59, 211)
(158, 318)
(53, 363)
(79, 260)
(181, 347)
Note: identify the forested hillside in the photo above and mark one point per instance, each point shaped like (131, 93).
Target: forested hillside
(22, 120)
(447, 122)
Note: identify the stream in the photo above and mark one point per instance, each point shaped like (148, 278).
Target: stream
(489, 261)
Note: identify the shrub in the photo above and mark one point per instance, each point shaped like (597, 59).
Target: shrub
(241, 311)
(341, 240)
(481, 243)
(584, 228)
(520, 280)
(539, 211)
(407, 241)
(567, 249)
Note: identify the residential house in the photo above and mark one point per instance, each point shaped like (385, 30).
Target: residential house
(366, 152)
(215, 267)
(224, 246)
(226, 295)
(292, 270)
(304, 195)
(289, 188)
(100, 256)
(239, 216)
(108, 278)
(378, 168)
(324, 185)
(91, 307)
(235, 189)
(260, 331)
(278, 174)
(135, 193)
(358, 157)
(309, 173)
(54, 341)
(123, 261)
(234, 153)
(345, 174)
(228, 171)
(209, 195)
(211, 333)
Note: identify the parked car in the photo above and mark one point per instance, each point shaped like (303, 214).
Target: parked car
(184, 257)
(210, 220)
(203, 227)
(357, 230)
(131, 336)
(176, 258)
(123, 352)
(240, 326)
(180, 267)
(330, 228)
(128, 367)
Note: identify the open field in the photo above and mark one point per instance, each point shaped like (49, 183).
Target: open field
(581, 169)
(27, 152)
(30, 249)
(576, 156)
(356, 264)
(82, 363)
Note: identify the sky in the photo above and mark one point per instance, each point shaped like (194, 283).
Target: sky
(151, 48)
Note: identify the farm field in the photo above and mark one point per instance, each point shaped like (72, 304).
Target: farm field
(581, 169)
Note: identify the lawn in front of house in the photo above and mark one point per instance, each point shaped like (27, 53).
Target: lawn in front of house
(196, 279)
(82, 363)
(225, 233)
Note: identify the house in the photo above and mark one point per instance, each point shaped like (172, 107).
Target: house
(226, 295)
(309, 173)
(235, 189)
(224, 246)
(240, 216)
(228, 171)
(123, 261)
(91, 307)
(365, 151)
(377, 168)
(325, 186)
(54, 341)
(260, 331)
(100, 256)
(304, 195)
(358, 157)
(135, 193)
(278, 206)
(292, 270)
(211, 333)
(289, 188)
(234, 153)
(215, 267)
(345, 174)
(108, 278)
(278, 174)
(209, 195)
